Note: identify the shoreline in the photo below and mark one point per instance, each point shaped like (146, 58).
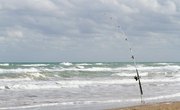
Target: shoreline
(153, 106)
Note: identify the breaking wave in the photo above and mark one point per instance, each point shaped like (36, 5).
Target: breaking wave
(4, 64)
(31, 84)
(66, 64)
(34, 65)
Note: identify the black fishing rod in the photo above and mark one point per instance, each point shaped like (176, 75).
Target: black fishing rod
(123, 34)
(137, 77)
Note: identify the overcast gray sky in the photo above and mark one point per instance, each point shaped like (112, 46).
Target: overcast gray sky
(86, 30)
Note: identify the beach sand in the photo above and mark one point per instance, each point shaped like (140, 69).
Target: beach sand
(156, 106)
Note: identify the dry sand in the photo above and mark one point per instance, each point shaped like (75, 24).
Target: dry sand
(157, 106)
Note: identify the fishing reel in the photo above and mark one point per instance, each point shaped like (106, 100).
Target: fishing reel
(136, 78)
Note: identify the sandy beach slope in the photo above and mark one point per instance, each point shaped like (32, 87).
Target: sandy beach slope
(157, 106)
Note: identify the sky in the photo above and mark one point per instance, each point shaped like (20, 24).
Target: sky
(86, 30)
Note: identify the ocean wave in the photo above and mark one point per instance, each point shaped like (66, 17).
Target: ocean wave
(34, 65)
(4, 64)
(95, 82)
(15, 79)
(76, 70)
(79, 68)
(66, 64)
(120, 71)
(20, 70)
(88, 102)
(99, 63)
(112, 82)
(31, 84)
(148, 68)
(172, 67)
(56, 69)
(93, 69)
(130, 74)
(35, 76)
(163, 64)
(84, 64)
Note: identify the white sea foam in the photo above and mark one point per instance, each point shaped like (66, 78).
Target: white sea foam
(35, 86)
(80, 67)
(36, 75)
(19, 70)
(163, 63)
(93, 69)
(34, 65)
(97, 69)
(87, 102)
(149, 68)
(84, 64)
(99, 63)
(173, 68)
(177, 75)
(66, 63)
(61, 84)
(130, 74)
(4, 64)
(78, 83)
(77, 68)
(30, 84)
(15, 79)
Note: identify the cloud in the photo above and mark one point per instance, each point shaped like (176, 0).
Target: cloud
(76, 28)
(14, 33)
(163, 7)
(31, 5)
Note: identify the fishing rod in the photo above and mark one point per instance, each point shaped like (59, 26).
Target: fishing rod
(137, 77)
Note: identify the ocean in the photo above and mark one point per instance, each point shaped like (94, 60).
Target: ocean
(85, 85)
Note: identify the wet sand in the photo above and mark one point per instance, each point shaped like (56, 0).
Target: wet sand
(156, 106)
